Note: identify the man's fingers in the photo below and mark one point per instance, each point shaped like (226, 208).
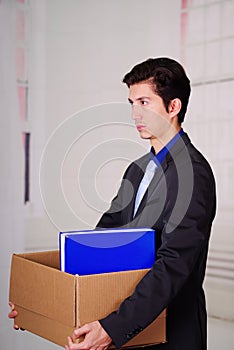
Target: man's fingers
(12, 314)
(95, 337)
(70, 345)
(80, 331)
(70, 342)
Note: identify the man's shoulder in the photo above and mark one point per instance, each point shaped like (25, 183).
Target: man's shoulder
(184, 156)
(198, 160)
(194, 153)
(197, 156)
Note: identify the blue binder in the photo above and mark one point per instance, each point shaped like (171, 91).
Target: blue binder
(106, 250)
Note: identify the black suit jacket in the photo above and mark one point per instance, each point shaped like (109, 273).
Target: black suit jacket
(180, 205)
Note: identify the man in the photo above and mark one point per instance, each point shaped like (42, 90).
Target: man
(172, 190)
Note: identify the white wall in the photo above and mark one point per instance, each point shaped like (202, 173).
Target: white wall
(208, 54)
(11, 191)
(79, 52)
(87, 50)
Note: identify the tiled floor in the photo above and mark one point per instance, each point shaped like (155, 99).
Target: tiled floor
(220, 334)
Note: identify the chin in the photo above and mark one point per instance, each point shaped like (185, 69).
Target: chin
(145, 135)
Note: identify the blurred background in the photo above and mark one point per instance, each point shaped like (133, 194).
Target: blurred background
(61, 67)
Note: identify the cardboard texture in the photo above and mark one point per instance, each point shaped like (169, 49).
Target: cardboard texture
(51, 303)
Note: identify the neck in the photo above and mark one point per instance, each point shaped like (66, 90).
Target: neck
(159, 143)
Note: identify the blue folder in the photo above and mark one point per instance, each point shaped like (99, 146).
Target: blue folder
(109, 250)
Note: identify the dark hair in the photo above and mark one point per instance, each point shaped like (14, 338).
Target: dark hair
(167, 78)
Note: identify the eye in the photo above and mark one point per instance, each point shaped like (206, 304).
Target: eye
(144, 102)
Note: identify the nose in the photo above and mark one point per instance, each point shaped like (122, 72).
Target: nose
(136, 112)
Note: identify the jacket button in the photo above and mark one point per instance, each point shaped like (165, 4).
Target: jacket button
(138, 330)
(129, 335)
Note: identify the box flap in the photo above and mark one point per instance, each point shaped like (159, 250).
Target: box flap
(42, 289)
(106, 291)
(47, 258)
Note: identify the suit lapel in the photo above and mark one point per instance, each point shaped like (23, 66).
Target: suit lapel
(159, 176)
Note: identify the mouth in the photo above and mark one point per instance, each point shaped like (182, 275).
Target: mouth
(140, 127)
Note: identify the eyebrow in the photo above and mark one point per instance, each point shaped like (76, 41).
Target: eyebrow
(139, 99)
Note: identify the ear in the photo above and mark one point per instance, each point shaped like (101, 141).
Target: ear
(174, 107)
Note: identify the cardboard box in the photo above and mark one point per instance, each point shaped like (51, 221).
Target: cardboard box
(51, 303)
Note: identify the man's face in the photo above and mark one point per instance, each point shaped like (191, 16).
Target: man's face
(148, 110)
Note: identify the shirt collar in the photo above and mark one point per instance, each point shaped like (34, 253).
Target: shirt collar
(161, 155)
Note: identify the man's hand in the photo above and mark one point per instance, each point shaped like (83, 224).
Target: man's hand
(13, 313)
(96, 338)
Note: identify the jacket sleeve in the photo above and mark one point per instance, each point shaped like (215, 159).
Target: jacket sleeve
(176, 259)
